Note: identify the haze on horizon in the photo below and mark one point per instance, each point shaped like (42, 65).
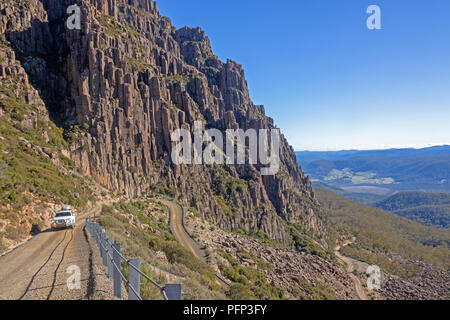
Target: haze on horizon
(328, 81)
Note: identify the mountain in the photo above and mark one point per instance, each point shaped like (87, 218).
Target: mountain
(387, 171)
(431, 209)
(86, 117)
(413, 258)
(120, 86)
(310, 156)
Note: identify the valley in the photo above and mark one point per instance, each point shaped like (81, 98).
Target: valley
(88, 118)
(393, 170)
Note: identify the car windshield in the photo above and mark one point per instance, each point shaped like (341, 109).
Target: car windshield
(62, 214)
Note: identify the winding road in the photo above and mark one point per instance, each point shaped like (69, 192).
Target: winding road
(179, 231)
(183, 237)
(350, 268)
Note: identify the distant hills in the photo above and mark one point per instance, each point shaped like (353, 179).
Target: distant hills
(361, 197)
(431, 209)
(386, 171)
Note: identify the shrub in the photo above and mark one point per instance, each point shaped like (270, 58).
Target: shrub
(13, 196)
(15, 233)
(239, 291)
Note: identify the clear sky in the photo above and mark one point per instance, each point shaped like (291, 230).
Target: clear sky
(327, 80)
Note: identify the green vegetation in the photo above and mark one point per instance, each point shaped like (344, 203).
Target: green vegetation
(120, 220)
(356, 177)
(225, 208)
(110, 26)
(177, 78)
(380, 233)
(261, 236)
(25, 170)
(314, 291)
(430, 209)
(249, 283)
(225, 188)
(161, 188)
(305, 243)
(364, 198)
(75, 132)
(137, 65)
(410, 169)
(15, 233)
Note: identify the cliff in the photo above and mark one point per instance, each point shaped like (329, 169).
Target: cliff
(124, 82)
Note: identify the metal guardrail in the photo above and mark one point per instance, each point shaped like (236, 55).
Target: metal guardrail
(112, 257)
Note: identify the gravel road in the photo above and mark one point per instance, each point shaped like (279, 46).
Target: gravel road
(38, 270)
(350, 267)
(183, 237)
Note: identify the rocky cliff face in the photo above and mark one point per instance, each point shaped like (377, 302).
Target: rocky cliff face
(125, 81)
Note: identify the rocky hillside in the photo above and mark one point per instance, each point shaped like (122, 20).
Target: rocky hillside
(119, 86)
(36, 174)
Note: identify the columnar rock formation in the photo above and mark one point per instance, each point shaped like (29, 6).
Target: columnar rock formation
(125, 81)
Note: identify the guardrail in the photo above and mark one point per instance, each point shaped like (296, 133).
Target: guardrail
(112, 257)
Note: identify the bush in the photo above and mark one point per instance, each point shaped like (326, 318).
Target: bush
(15, 233)
(13, 196)
(176, 253)
(251, 279)
(239, 291)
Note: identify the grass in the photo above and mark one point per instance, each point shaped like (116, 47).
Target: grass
(177, 78)
(248, 282)
(305, 243)
(110, 26)
(261, 236)
(225, 208)
(137, 65)
(27, 174)
(15, 233)
(200, 278)
(313, 291)
(161, 188)
(23, 169)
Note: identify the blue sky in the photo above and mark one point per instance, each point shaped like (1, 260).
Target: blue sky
(328, 81)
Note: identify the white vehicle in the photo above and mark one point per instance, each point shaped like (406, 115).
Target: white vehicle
(63, 219)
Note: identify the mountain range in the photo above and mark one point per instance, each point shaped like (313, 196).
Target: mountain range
(381, 172)
(86, 117)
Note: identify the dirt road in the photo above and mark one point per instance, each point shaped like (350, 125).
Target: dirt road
(350, 268)
(178, 230)
(37, 270)
(183, 237)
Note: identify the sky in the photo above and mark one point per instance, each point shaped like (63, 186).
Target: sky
(328, 81)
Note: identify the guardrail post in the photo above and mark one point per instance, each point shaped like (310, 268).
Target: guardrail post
(173, 291)
(94, 231)
(117, 270)
(110, 257)
(97, 233)
(134, 279)
(100, 242)
(103, 246)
